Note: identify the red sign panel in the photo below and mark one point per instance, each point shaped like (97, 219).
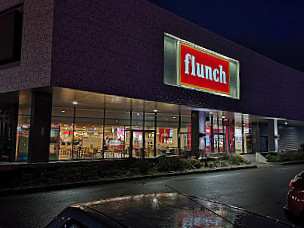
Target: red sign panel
(203, 70)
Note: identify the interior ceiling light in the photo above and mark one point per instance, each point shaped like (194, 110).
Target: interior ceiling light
(75, 102)
(174, 117)
(62, 111)
(155, 110)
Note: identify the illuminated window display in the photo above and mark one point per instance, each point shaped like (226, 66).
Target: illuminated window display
(116, 128)
(23, 127)
(22, 141)
(79, 134)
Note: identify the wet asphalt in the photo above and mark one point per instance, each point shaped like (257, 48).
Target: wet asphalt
(262, 190)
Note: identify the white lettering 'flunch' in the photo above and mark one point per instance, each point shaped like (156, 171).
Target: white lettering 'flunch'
(204, 71)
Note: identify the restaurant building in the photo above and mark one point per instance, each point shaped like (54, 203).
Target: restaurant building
(117, 79)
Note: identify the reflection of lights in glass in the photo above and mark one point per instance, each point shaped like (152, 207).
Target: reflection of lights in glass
(155, 204)
(200, 219)
(138, 197)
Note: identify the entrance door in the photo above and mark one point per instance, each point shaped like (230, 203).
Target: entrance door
(218, 142)
(142, 141)
(149, 143)
(6, 136)
(136, 143)
(264, 143)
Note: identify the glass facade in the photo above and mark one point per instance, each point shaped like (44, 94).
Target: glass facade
(110, 127)
(113, 127)
(228, 133)
(78, 133)
(137, 134)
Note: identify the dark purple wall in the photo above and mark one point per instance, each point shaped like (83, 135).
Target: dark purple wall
(34, 68)
(116, 47)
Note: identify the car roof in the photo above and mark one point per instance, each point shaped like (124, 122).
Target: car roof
(174, 210)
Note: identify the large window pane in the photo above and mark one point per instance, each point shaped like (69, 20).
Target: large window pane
(88, 138)
(115, 137)
(185, 133)
(22, 141)
(167, 138)
(61, 138)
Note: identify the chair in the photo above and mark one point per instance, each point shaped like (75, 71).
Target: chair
(95, 151)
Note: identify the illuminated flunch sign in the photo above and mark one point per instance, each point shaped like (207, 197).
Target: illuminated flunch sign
(201, 70)
(190, 66)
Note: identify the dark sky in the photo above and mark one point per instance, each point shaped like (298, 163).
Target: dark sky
(274, 28)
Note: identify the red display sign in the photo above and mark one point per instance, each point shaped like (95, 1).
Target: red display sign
(203, 70)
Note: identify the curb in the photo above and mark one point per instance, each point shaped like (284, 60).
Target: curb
(63, 186)
(286, 163)
(293, 162)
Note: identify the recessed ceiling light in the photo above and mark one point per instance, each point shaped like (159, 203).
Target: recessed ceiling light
(63, 111)
(75, 102)
(174, 117)
(155, 110)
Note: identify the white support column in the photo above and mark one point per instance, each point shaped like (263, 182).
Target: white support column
(276, 135)
(202, 129)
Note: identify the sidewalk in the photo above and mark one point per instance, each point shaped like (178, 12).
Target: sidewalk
(252, 159)
(22, 168)
(23, 190)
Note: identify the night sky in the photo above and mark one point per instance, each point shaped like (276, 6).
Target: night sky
(274, 28)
